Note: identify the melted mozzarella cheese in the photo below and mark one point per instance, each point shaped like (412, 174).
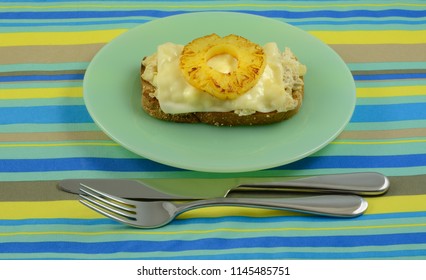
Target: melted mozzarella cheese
(271, 93)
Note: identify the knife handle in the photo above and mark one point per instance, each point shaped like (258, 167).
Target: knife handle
(361, 183)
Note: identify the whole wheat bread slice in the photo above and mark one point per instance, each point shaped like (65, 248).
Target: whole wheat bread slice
(151, 106)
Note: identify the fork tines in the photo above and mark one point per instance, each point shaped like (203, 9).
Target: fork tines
(116, 208)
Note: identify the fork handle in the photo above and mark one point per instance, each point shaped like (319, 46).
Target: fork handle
(345, 206)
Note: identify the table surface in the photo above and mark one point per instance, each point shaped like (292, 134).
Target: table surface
(47, 135)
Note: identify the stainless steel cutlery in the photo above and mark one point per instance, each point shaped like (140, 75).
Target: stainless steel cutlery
(363, 183)
(140, 203)
(152, 214)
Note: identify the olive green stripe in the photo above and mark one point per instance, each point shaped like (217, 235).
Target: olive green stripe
(47, 190)
(53, 136)
(32, 191)
(350, 53)
(395, 71)
(98, 135)
(48, 54)
(383, 134)
(28, 73)
(381, 53)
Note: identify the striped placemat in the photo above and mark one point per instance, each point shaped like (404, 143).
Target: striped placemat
(46, 134)
(393, 227)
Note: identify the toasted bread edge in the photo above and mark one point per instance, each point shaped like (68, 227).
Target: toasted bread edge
(152, 107)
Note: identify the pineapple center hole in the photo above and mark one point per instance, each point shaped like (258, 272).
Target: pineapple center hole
(223, 63)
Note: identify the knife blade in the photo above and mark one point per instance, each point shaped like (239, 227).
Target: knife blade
(361, 183)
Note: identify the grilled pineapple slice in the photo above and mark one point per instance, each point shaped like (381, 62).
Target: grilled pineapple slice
(251, 63)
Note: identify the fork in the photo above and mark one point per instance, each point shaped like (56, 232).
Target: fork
(152, 214)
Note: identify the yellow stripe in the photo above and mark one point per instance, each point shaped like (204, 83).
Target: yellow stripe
(377, 205)
(103, 36)
(32, 93)
(391, 91)
(372, 37)
(379, 142)
(74, 209)
(43, 209)
(209, 231)
(77, 144)
(393, 204)
(58, 38)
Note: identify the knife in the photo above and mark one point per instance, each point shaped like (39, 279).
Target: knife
(362, 183)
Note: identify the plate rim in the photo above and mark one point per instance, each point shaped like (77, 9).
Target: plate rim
(191, 167)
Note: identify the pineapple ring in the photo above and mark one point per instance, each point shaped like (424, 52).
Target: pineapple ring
(251, 63)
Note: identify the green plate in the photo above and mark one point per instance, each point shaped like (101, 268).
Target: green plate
(112, 96)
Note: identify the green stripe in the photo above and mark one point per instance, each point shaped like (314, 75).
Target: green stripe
(129, 26)
(35, 176)
(345, 27)
(49, 127)
(386, 125)
(390, 83)
(81, 149)
(205, 253)
(45, 66)
(50, 84)
(184, 5)
(92, 127)
(391, 100)
(111, 233)
(377, 27)
(110, 149)
(68, 28)
(138, 21)
(387, 66)
(403, 171)
(57, 235)
(371, 149)
(41, 102)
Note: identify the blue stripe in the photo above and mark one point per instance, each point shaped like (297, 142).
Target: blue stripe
(115, 1)
(303, 255)
(145, 165)
(389, 112)
(136, 246)
(45, 114)
(60, 77)
(140, 21)
(357, 22)
(79, 114)
(341, 14)
(217, 220)
(302, 218)
(55, 221)
(81, 76)
(87, 14)
(157, 13)
(391, 161)
(72, 23)
(371, 77)
(87, 163)
(394, 254)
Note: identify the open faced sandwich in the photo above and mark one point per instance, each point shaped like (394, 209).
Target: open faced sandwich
(223, 81)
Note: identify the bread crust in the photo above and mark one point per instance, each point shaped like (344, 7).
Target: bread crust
(151, 106)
